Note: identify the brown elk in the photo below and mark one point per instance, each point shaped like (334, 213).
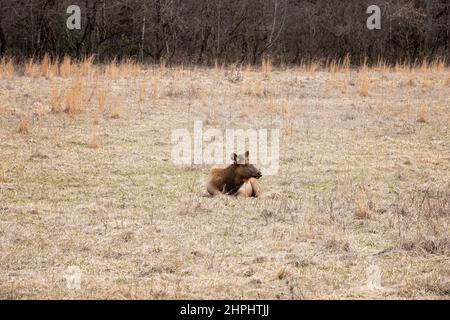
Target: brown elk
(239, 178)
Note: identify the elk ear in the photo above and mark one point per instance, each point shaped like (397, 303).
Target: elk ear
(247, 157)
(234, 158)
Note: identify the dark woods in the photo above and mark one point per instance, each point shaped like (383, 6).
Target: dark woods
(227, 31)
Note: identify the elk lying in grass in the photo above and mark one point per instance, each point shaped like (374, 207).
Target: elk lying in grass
(239, 178)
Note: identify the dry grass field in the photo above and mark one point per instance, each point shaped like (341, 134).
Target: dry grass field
(87, 180)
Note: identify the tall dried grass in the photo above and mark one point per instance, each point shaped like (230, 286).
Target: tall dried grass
(111, 70)
(363, 86)
(74, 97)
(362, 210)
(24, 125)
(32, 69)
(142, 91)
(266, 67)
(55, 98)
(334, 66)
(86, 66)
(128, 68)
(8, 67)
(45, 66)
(93, 141)
(3, 177)
(102, 101)
(66, 67)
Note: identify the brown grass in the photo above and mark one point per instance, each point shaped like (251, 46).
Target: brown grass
(361, 207)
(142, 91)
(55, 98)
(112, 70)
(8, 67)
(363, 87)
(338, 66)
(93, 141)
(53, 68)
(102, 101)
(266, 67)
(155, 88)
(74, 97)
(116, 109)
(3, 177)
(128, 68)
(359, 183)
(24, 125)
(45, 66)
(66, 67)
(422, 115)
(86, 66)
(32, 69)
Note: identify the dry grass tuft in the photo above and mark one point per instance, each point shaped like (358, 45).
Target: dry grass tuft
(266, 66)
(116, 109)
(111, 70)
(66, 67)
(53, 68)
(338, 66)
(363, 87)
(345, 66)
(45, 66)
(432, 245)
(362, 210)
(102, 102)
(74, 97)
(381, 65)
(142, 91)
(86, 66)
(24, 125)
(258, 89)
(128, 68)
(32, 69)
(6, 68)
(93, 141)
(55, 98)
(3, 177)
(422, 115)
(283, 273)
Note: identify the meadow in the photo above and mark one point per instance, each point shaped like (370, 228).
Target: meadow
(87, 180)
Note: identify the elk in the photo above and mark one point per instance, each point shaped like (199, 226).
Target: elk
(239, 178)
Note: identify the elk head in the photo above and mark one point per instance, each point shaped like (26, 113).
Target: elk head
(243, 168)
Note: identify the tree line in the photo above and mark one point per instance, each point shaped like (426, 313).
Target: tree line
(227, 31)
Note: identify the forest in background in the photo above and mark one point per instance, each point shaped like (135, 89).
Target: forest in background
(227, 31)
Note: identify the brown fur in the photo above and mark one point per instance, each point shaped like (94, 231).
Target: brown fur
(236, 179)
